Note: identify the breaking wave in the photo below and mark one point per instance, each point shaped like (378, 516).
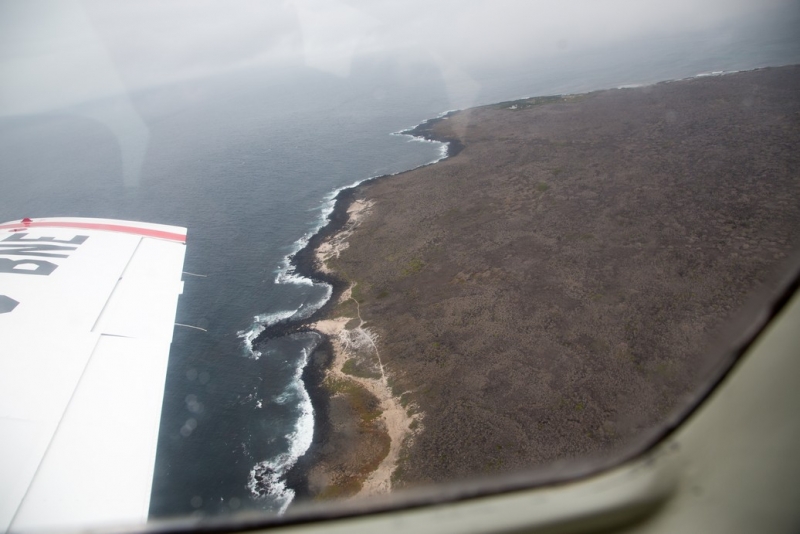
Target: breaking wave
(267, 478)
(260, 323)
(286, 273)
(264, 320)
(443, 147)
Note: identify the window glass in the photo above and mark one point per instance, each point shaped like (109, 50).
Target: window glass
(543, 276)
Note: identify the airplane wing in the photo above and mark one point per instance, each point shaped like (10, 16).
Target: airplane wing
(87, 309)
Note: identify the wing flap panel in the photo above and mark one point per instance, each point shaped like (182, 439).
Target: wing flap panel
(101, 459)
(144, 301)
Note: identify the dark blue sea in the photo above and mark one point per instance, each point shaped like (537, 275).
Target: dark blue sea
(250, 161)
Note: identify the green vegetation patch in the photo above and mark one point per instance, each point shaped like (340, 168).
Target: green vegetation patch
(362, 369)
(346, 309)
(413, 267)
(363, 403)
(357, 293)
(372, 443)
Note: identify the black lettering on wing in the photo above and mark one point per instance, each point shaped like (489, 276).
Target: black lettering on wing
(40, 267)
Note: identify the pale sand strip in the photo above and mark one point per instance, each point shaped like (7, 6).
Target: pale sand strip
(331, 247)
(394, 416)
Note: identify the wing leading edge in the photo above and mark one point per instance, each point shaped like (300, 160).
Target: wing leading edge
(87, 308)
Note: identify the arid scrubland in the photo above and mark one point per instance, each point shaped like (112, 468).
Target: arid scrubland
(551, 291)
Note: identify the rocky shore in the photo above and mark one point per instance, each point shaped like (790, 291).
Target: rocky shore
(360, 425)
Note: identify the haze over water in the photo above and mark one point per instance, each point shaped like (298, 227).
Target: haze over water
(248, 160)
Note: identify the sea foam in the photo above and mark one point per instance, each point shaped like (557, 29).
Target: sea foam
(267, 478)
(259, 324)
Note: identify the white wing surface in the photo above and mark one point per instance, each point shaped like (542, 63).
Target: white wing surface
(87, 309)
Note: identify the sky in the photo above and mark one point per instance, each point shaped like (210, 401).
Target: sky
(87, 49)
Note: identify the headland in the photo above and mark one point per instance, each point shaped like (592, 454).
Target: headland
(552, 291)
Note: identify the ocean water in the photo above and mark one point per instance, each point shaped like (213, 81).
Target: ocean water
(250, 163)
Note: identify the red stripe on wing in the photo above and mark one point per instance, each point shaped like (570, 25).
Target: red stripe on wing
(146, 232)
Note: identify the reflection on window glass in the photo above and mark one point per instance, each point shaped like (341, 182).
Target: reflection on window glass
(537, 277)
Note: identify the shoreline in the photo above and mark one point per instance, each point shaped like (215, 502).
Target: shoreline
(306, 263)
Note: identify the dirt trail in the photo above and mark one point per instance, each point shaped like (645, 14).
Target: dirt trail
(394, 415)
